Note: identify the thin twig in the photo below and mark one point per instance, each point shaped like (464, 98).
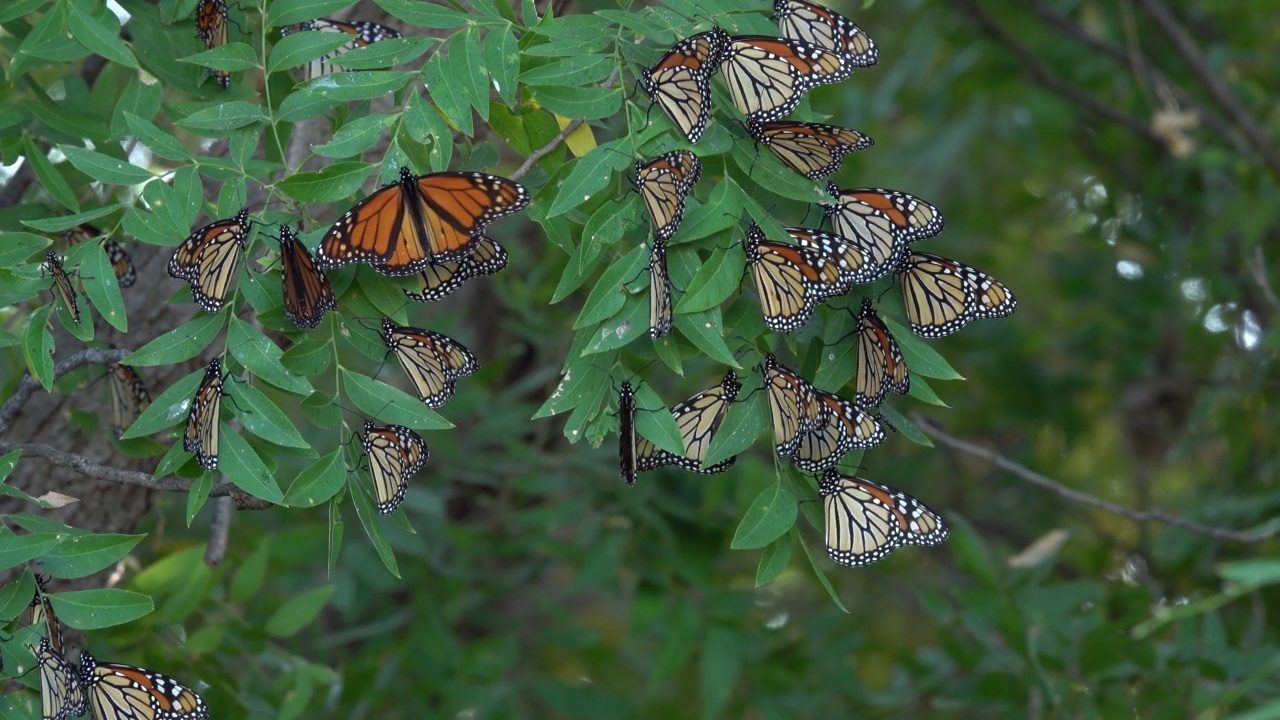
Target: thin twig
(1265, 532)
(29, 384)
(1213, 83)
(89, 468)
(1259, 269)
(560, 137)
(219, 532)
(1041, 73)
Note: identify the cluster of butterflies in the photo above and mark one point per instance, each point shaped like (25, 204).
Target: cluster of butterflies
(110, 691)
(870, 237)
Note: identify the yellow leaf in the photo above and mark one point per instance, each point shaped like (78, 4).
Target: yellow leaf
(581, 141)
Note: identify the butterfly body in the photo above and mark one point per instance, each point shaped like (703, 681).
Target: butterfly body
(768, 76)
(362, 35)
(62, 288)
(660, 321)
(307, 292)
(794, 406)
(680, 82)
(115, 691)
(791, 281)
(944, 295)
(209, 259)
(439, 279)
(395, 454)
(211, 29)
(121, 263)
(699, 418)
(201, 435)
(814, 150)
(434, 362)
(803, 20)
(865, 521)
(881, 367)
(627, 438)
(663, 183)
(129, 396)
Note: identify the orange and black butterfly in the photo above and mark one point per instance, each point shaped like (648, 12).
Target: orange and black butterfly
(129, 396)
(803, 20)
(866, 521)
(794, 406)
(814, 150)
(211, 28)
(844, 427)
(663, 183)
(790, 280)
(852, 257)
(944, 295)
(403, 228)
(124, 692)
(433, 362)
(62, 287)
(660, 320)
(881, 367)
(201, 436)
(699, 418)
(680, 82)
(121, 263)
(395, 454)
(307, 293)
(362, 34)
(440, 279)
(627, 437)
(882, 222)
(209, 258)
(767, 76)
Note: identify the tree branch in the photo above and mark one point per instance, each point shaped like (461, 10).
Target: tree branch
(29, 384)
(1218, 89)
(1266, 531)
(1041, 73)
(545, 150)
(219, 532)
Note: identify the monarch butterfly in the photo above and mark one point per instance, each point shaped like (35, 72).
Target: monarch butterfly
(209, 258)
(201, 436)
(362, 34)
(125, 692)
(814, 150)
(121, 263)
(790, 280)
(129, 397)
(767, 76)
(887, 219)
(211, 28)
(851, 257)
(881, 367)
(627, 438)
(62, 289)
(845, 427)
(395, 454)
(307, 293)
(433, 362)
(944, 295)
(699, 418)
(801, 20)
(663, 183)
(440, 279)
(42, 614)
(659, 290)
(61, 691)
(680, 83)
(866, 521)
(402, 228)
(794, 407)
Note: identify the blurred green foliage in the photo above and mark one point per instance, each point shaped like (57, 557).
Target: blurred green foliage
(1139, 368)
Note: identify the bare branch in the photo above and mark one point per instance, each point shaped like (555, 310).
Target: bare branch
(1264, 532)
(1213, 83)
(545, 150)
(219, 532)
(29, 384)
(1041, 73)
(1259, 270)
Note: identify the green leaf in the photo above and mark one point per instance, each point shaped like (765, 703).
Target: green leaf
(8, 463)
(360, 84)
(224, 116)
(37, 348)
(572, 71)
(609, 294)
(905, 426)
(264, 419)
(369, 519)
(84, 555)
(590, 174)
(622, 329)
(104, 168)
(102, 608)
(231, 57)
(289, 12)
(467, 62)
(319, 482)
(262, 358)
(502, 56)
(156, 140)
(716, 280)
(17, 247)
(655, 423)
(100, 39)
(18, 8)
(1254, 573)
(822, 576)
(721, 663)
(298, 611)
(448, 93)
(242, 466)
(311, 356)
(589, 103)
(424, 15)
(921, 359)
(179, 344)
(197, 495)
(921, 390)
(15, 596)
(18, 549)
(338, 181)
(299, 48)
(49, 177)
(247, 580)
(389, 404)
(355, 137)
(103, 289)
(770, 516)
(141, 96)
(385, 53)
(774, 560)
(167, 409)
(704, 330)
(304, 105)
